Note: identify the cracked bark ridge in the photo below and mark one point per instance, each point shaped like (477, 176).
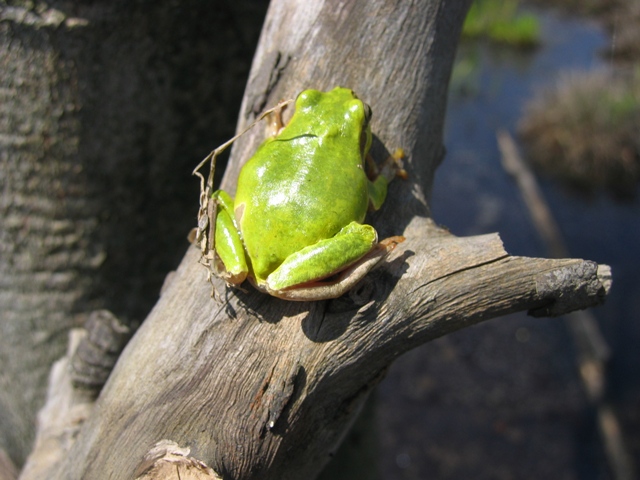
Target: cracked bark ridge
(98, 351)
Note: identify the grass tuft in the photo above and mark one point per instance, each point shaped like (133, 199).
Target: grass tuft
(501, 22)
(585, 130)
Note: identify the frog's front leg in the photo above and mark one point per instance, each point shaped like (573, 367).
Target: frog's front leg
(348, 256)
(230, 262)
(381, 177)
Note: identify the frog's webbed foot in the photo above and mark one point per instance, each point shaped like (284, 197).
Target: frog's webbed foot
(341, 282)
(391, 168)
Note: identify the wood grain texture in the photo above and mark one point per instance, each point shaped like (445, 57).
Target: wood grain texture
(257, 387)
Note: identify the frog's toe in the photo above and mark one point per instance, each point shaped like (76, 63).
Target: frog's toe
(234, 276)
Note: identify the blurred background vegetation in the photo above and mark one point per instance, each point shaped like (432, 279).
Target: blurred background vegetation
(583, 128)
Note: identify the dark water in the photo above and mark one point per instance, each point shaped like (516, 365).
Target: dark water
(490, 98)
(503, 399)
(473, 194)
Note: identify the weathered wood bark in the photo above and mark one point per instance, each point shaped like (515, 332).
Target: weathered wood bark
(258, 387)
(103, 107)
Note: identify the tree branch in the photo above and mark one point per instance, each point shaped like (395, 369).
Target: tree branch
(257, 387)
(265, 388)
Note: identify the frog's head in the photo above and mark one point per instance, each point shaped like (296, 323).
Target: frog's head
(338, 111)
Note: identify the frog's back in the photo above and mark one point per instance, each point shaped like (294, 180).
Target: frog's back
(308, 182)
(297, 191)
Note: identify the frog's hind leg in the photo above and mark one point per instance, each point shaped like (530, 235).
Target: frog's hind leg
(343, 281)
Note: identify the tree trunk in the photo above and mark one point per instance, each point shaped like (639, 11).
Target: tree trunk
(258, 387)
(104, 107)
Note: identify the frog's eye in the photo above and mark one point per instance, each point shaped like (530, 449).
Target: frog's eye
(367, 114)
